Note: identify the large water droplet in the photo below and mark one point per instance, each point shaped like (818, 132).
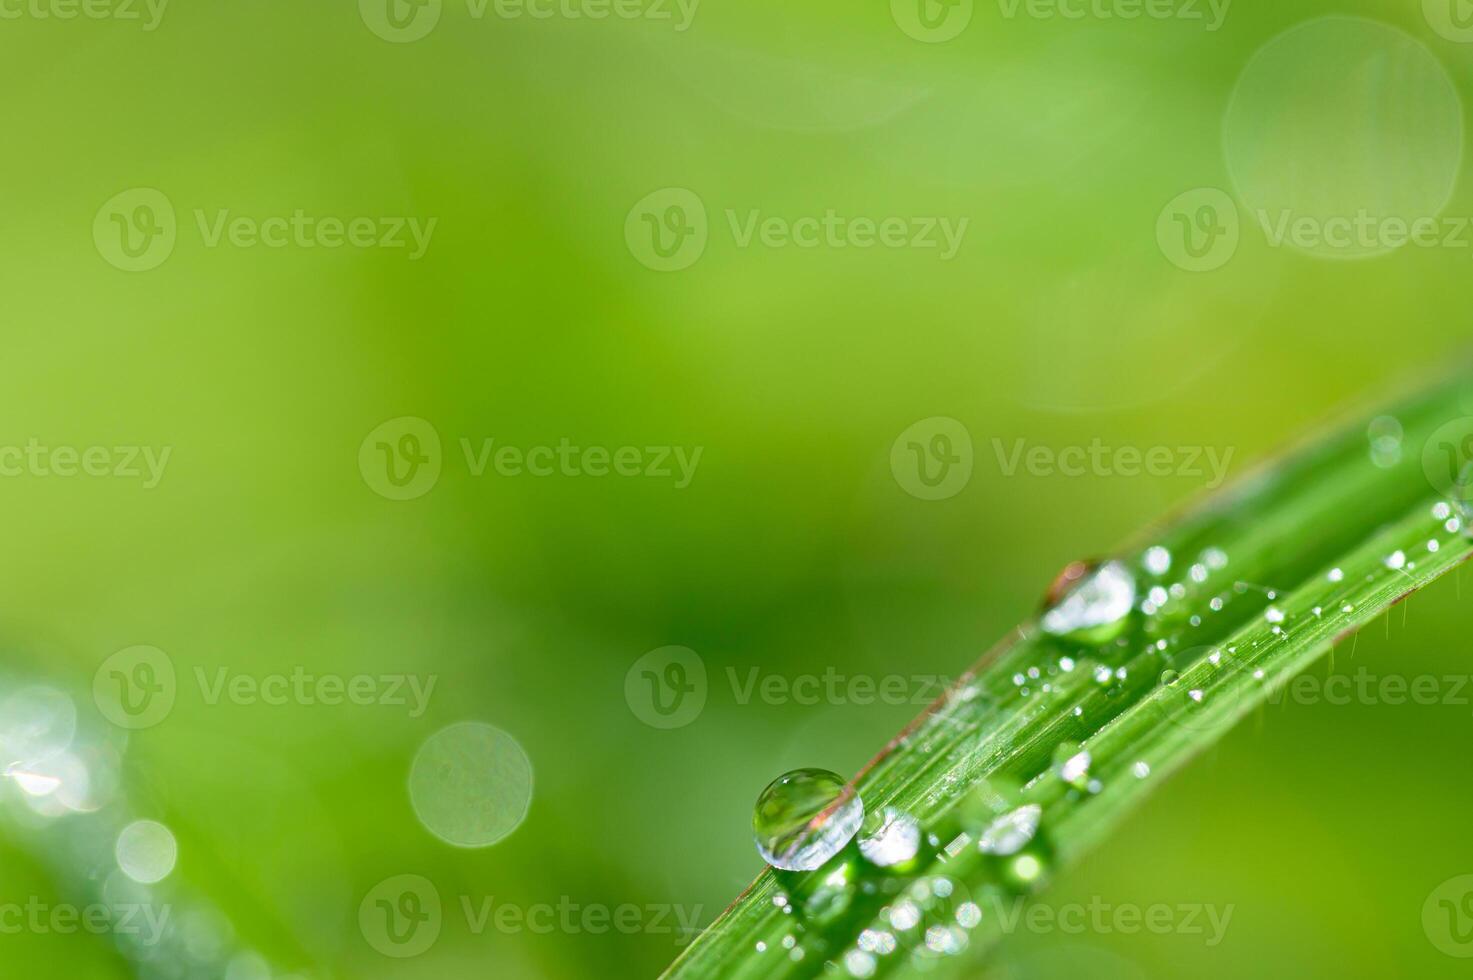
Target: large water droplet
(804, 817)
(1096, 609)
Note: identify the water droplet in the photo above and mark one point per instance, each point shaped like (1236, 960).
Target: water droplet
(1073, 763)
(859, 963)
(1336, 575)
(905, 915)
(946, 940)
(1273, 614)
(891, 837)
(470, 784)
(1096, 609)
(36, 723)
(32, 783)
(1141, 770)
(804, 817)
(146, 851)
(1385, 435)
(1441, 510)
(1396, 560)
(1011, 832)
(1157, 560)
(968, 915)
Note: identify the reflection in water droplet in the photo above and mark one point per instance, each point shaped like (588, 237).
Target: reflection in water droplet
(471, 784)
(36, 723)
(804, 817)
(1097, 608)
(1011, 832)
(1157, 560)
(859, 963)
(891, 837)
(32, 783)
(1385, 435)
(146, 851)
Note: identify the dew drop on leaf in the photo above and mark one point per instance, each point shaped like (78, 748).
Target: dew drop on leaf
(1097, 607)
(805, 817)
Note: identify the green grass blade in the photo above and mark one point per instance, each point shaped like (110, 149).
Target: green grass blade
(1263, 579)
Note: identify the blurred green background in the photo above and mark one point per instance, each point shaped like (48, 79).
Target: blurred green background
(794, 549)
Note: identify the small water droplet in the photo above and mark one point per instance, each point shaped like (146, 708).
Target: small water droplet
(1011, 832)
(891, 837)
(1096, 609)
(859, 964)
(1273, 614)
(1336, 575)
(805, 817)
(1385, 435)
(905, 915)
(1141, 770)
(1073, 763)
(1396, 560)
(1157, 560)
